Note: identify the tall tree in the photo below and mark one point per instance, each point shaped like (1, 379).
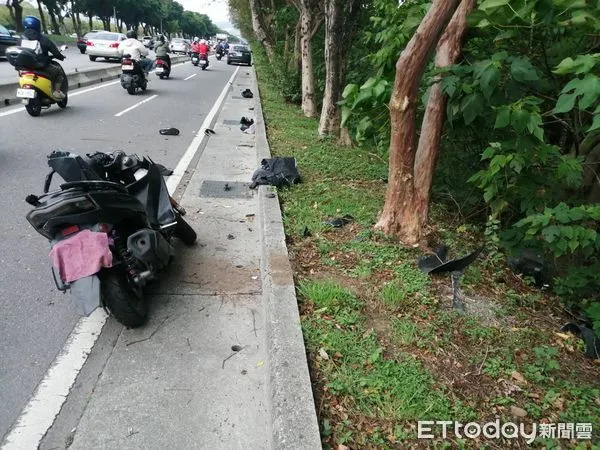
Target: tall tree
(308, 26)
(340, 21)
(260, 29)
(398, 216)
(16, 13)
(42, 16)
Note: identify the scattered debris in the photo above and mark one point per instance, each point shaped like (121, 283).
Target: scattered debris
(245, 123)
(227, 187)
(169, 132)
(230, 236)
(323, 354)
(437, 263)
(591, 340)
(250, 130)
(244, 372)
(236, 348)
(339, 222)
(271, 195)
(279, 171)
(235, 352)
(247, 94)
(529, 262)
(306, 232)
(151, 334)
(209, 131)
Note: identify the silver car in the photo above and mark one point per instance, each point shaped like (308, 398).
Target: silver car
(179, 45)
(104, 44)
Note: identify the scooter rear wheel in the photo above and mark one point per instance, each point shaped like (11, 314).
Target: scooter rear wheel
(122, 301)
(131, 90)
(34, 107)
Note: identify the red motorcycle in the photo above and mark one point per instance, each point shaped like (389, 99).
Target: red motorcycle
(204, 60)
(163, 68)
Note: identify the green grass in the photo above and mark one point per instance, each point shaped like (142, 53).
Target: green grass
(385, 348)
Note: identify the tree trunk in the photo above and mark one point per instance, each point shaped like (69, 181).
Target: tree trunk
(90, 21)
(11, 13)
(260, 31)
(398, 216)
(42, 16)
(448, 51)
(53, 22)
(309, 106)
(18, 15)
(297, 46)
(339, 26)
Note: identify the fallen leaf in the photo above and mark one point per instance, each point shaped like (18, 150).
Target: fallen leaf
(518, 412)
(343, 447)
(323, 354)
(563, 335)
(517, 376)
(260, 364)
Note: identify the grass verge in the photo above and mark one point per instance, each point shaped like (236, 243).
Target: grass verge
(385, 348)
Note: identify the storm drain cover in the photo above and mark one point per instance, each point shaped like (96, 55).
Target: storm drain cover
(225, 189)
(231, 122)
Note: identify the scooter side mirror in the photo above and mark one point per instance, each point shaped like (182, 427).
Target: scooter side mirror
(63, 48)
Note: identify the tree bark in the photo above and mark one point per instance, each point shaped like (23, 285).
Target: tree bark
(340, 22)
(309, 106)
(53, 21)
(447, 53)
(18, 14)
(90, 21)
(42, 16)
(297, 46)
(11, 13)
(398, 216)
(260, 31)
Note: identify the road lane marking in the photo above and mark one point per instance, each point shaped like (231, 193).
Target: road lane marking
(136, 105)
(191, 76)
(189, 154)
(45, 404)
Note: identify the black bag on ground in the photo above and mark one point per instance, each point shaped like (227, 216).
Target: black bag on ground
(278, 172)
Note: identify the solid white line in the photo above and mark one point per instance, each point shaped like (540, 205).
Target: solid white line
(85, 91)
(191, 76)
(189, 154)
(45, 404)
(136, 105)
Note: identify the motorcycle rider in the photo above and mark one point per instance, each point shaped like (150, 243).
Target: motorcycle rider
(219, 49)
(136, 50)
(161, 49)
(33, 32)
(203, 49)
(196, 45)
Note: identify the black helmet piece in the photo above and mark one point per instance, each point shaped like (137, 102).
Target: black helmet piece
(132, 34)
(32, 22)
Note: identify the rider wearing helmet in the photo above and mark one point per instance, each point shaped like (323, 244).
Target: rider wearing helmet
(131, 46)
(196, 45)
(33, 32)
(203, 48)
(161, 49)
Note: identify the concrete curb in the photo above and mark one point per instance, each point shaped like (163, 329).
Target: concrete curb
(293, 414)
(76, 80)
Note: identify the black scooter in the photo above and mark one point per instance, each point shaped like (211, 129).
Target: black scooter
(132, 75)
(195, 58)
(111, 227)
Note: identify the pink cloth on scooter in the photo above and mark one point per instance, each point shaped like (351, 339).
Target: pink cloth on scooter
(81, 255)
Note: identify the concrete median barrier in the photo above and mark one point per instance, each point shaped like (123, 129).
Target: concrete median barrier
(76, 80)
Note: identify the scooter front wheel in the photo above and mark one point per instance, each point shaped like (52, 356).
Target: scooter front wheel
(131, 90)
(63, 103)
(34, 107)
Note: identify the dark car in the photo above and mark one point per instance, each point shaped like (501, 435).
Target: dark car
(7, 40)
(239, 54)
(82, 41)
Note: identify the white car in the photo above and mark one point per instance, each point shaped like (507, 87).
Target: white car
(104, 44)
(179, 45)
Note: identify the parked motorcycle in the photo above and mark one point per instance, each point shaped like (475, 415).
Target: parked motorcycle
(204, 60)
(35, 87)
(132, 75)
(195, 59)
(111, 227)
(163, 69)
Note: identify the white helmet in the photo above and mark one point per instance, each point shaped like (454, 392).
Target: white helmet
(202, 41)
(196, 39)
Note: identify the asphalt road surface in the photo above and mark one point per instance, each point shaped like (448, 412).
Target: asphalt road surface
(36, 318)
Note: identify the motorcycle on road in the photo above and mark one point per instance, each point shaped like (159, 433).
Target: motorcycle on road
(132, 75)
(195, 58)
(163, 69)
(204, 60)
(35, 87)
(111, 228)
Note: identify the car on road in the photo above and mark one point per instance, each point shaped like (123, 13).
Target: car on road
(179, 45)
(82, 41)
(239, 54)
(148, 42)
(7, 39)
(104, 44)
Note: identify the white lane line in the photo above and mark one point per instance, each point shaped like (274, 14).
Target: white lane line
(136, 105)
(189, 154)
(191, 76)
(45, 404)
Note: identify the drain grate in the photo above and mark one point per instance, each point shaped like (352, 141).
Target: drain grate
(225, 189)
(231, 122)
